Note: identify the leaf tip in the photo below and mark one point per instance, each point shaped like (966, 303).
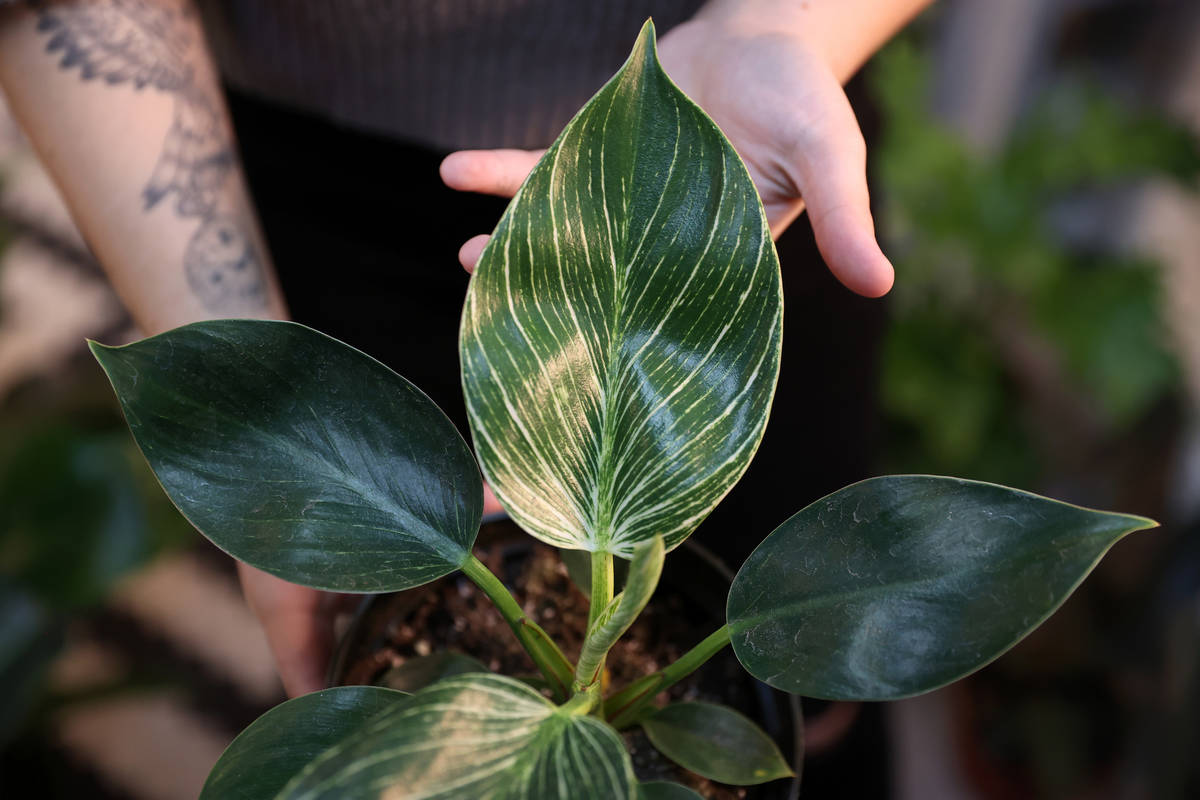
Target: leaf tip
(104, 354)
(646, 46)
(1140, 523)
(647, 31)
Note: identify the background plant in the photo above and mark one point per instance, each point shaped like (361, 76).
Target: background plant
(1012, 343)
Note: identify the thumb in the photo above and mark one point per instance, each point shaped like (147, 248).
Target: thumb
(498, 172)
(830, 170)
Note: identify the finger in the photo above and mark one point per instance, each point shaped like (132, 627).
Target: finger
(299, 630)
(498, 172)
(830, 170)
(302, 644)
(468, 254)
(490, 504)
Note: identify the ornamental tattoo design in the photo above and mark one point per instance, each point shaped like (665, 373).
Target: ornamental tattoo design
(151, 46)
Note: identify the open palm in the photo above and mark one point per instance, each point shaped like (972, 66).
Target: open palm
(784, 111)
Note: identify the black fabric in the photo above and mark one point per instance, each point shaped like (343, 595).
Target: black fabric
(365, 238)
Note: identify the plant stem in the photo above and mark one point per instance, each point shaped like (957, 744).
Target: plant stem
(624, 707)
(579, 705)
(602, 585)
(541, 648)
(602, 595)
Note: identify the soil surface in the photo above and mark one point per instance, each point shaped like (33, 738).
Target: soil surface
(452, 614)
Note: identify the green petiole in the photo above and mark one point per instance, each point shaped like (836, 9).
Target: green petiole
(541, 648)
(624, 707)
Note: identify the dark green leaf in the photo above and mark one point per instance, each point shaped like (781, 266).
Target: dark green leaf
(665, 790)
(277, 745)
(299, 454)
(473, 736)
(716, 742)
(417, 673)
(898, 585)
(620, 338)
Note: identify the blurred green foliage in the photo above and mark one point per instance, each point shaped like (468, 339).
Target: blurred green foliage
(988, 296)
(79, 509)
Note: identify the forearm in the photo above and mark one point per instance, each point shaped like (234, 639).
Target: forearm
(123, 106)
(845, 32)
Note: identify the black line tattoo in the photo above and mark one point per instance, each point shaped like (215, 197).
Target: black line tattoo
(150, 44)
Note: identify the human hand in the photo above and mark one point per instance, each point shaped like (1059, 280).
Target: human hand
(778, 100)
(299, 621)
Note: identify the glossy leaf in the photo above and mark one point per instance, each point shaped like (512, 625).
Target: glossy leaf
(620, 338)
(665, 790)
(478, 736)
(716, 742)
(898, 585)
(417, 673)
(277, 745)
(644, 571)
(299, 454)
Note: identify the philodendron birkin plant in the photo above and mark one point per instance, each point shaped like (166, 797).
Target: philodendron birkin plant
(619, 350)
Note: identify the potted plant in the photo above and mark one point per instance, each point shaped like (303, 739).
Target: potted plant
(619, 349)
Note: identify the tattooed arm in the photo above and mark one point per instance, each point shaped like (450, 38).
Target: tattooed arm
(121, 101)
(122, 104)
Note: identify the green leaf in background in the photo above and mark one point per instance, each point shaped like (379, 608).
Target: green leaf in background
(716, 742)
(898, 585)
(417, 673)
(1013, 292)
(68, 554)
(620, 337)
(484, 736)
(277, 745)
(665, 790)
(300, 455)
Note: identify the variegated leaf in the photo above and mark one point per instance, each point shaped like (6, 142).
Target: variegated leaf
(480, 736)
(620, 339)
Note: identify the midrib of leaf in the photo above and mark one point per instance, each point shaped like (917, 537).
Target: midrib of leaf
(892, 588)
(608, 460)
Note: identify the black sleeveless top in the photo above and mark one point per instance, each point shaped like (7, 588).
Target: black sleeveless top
(446, 73)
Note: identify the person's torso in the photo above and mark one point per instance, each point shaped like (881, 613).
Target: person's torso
(446, 73)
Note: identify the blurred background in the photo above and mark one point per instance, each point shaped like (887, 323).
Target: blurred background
(1036, 173)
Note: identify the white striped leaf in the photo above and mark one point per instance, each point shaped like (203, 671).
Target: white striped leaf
(620, 338)
(480, 736)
